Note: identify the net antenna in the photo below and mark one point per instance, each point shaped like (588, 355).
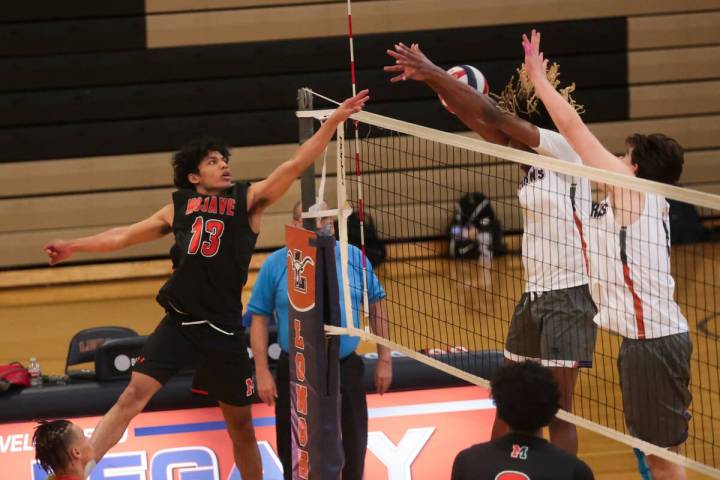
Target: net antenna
(358, 173)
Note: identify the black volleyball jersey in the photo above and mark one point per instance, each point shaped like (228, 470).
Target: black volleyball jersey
(211, 255)
(518, 457)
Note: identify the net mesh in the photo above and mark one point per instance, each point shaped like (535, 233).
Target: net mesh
(517, 278)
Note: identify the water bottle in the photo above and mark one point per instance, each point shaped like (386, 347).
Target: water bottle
(35, 373)
(485, 245)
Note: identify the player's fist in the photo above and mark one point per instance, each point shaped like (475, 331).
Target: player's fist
(58, 251)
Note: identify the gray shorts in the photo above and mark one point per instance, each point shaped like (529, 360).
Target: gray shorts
(655, 379)
(555, 328)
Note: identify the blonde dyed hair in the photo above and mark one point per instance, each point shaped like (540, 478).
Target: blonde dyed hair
(518, 96)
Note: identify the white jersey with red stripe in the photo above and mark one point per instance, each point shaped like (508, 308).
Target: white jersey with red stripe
(556, 208)
(631, 281)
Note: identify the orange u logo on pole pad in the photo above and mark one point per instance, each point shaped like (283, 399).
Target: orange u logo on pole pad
(314, 368)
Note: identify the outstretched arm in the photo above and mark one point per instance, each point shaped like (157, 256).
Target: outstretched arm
(477, 111)
(566, 119)
(628, 204)
(263, 194)
(152, 228)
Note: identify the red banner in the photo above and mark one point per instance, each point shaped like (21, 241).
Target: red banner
(412, 435)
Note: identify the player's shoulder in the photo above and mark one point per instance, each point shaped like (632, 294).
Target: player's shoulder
(354, 253)
(182, 193)
(478, 456)
(240, 186)
(548, 136)
(280, 253)
(559, 457)
(480, 450)
(553, 144)
(353, 250)
(355, 257)
(656, 201)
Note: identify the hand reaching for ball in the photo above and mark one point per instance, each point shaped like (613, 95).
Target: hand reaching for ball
(535, 63)
(410, 63)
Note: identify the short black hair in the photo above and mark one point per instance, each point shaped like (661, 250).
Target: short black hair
(186, 160)
(526, 395)
(52, 440)
(658, 157)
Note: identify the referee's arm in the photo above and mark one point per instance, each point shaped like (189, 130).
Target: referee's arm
(259, 343)
(380, 326)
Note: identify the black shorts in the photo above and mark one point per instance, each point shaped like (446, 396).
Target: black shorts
(222, 365)
(555, 328)
(655, 379)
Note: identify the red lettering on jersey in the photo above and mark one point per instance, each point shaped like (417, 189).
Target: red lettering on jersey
(515, 451)
(302, 431)
(303, 464)
(213, 205)
(193, 205)
(231, 206)
(299, 340)
(511, 475)
(204, 206)
(223, 205)
(300, 367)
(249, 387)
(301, 395)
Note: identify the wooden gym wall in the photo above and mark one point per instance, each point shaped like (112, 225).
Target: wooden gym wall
(94, 96)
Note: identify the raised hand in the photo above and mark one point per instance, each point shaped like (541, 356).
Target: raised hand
(410, 63)
(535, 63)
(58, 251)
(351, 105)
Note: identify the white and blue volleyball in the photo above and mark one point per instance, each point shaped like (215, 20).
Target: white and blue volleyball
(470, 76)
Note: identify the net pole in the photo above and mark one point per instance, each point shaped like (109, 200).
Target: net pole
(358, 170)
(306, 129)
(342, 215)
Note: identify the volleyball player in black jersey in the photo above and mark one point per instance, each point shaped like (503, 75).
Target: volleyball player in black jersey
(527, 398)
(215, 223)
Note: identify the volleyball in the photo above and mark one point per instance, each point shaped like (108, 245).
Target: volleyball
(468, 75)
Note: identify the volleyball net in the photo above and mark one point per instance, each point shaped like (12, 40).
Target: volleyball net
(489, 248)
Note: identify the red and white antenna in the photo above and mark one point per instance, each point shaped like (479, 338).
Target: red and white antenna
(358, 169)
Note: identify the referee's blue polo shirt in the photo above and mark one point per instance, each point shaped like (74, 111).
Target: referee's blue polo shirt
(270, 296)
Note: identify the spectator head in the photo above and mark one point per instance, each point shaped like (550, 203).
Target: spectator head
(526, 396)
(324, 225)
(297, 215)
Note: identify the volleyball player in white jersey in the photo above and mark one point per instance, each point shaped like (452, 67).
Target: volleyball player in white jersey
(630, 267)
(553, 321)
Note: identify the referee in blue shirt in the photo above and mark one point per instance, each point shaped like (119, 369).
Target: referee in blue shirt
(269, 302)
